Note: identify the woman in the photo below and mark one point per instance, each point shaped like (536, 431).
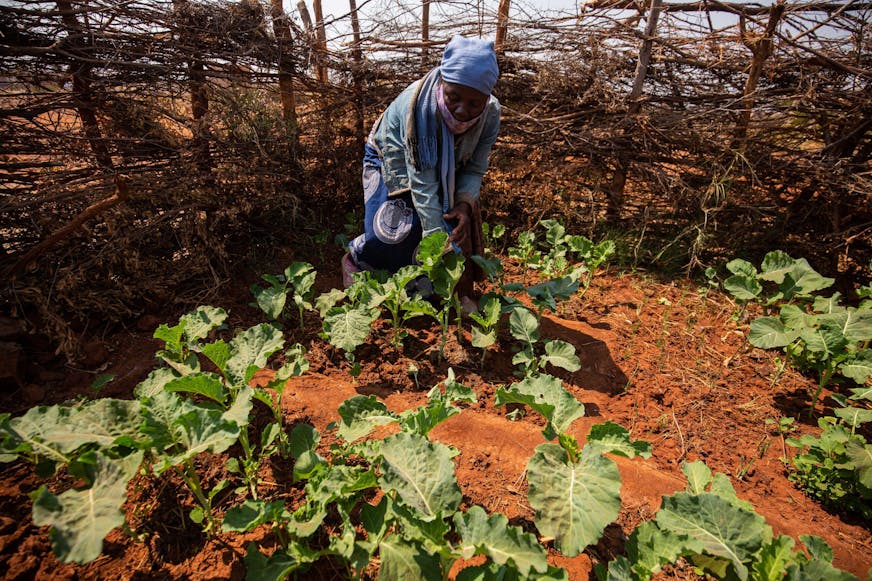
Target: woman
(424, 161)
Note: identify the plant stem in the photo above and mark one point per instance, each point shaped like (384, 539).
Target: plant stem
(189, 475)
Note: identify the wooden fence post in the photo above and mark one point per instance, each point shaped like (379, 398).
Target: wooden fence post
(282, 31)
(425, 33)
(761, 49)
(622, 163)
(321, 36)
(502, 25)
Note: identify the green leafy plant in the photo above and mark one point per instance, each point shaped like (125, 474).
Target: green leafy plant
(525, 252)
(524, 326)
(487, 318)
(574, 490)
(816, 333)
(100, 444)
(444, 269)
(492, 235)
(721, 535)
(297, 281)
(836, 466)
(416, 530)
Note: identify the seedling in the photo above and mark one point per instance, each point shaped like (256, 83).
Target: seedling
(297, 280)
(524, 326)
(487, 319)
(444, 269)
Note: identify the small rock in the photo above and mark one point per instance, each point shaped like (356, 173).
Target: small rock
(33, 393)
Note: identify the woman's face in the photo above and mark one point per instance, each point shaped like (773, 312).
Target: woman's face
(465, 103)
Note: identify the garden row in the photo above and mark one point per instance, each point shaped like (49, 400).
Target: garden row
(394, 502)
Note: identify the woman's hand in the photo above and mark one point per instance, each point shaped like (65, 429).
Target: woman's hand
(461, 212)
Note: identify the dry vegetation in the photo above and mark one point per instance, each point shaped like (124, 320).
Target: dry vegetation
(153, 148)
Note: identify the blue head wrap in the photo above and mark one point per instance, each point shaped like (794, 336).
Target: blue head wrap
(471, 62)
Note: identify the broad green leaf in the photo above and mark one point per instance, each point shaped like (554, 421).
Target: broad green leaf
(362, 414)
(698, 475)
(201, 321)
(481, 339)
(348, 326)
(769, 333)
(80, 519)
(742, 287)
(776, 265)
(454, 390)
(561, 354)
(490, 571)
(861, 458)
(802, 280)
(155, 382)
(546, 395)
(171, 336)
(104, 422)
(724, 529)
(202, 383)
(773, 560)
(251, 513)
(218, 352)
(481, 534)
(421, 472)
(180, 430)
(328, 300)
(259, 567)
(423, 419)
(858, 393)
(250, 351)
(742, 267)
(239, 411)
(612, 438)
(649, 548)
(403, 560)
(431, 534)
(337, 482)
(524, 326)
(559, 288)
(828, 305)
(271, 299)
(818, 548)
(573, 502)
(492, 267)
(795, 318)
(431, 249)
(815, 570)
(854, 416)
(304, 438)
(859, 368)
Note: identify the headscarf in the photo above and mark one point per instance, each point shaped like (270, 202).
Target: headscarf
(471, 62)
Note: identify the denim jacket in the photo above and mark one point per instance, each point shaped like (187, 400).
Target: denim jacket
(388, 137)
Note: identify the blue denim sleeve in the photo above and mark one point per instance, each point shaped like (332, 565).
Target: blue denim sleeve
(425, 195)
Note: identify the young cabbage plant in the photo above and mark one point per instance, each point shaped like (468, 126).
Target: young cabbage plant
(274, 434)
(492, 235)
(99, 443)
(297, 281)
(546, 294)
(347, 326)
(444, 269)
(487, 318)
(237, 362)
(524, 326)
(817, 333)
(574, 490)
(393, 296)
(525, 252)
(721, 535)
